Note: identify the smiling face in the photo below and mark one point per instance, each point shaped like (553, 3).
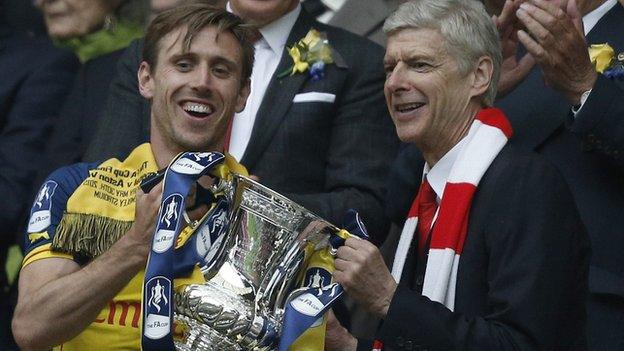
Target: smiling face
(75, 18)
(428, 98)
(194, 94)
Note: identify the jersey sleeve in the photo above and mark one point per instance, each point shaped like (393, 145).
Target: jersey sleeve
(48, 209)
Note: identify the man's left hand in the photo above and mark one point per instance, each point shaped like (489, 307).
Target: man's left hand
(361, 270)
(556, 40)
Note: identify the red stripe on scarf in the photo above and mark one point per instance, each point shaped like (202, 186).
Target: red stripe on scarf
(452, 224)
(496, 118)
(413, 212)
(451, 227)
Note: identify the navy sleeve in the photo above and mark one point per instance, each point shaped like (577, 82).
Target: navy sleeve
(50, 203)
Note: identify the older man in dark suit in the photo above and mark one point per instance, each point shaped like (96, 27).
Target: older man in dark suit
(493, 255)
(585, 142)
(326, 142)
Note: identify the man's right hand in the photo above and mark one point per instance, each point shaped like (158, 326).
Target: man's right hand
(54, 289)
(146, 217)
(361, 270)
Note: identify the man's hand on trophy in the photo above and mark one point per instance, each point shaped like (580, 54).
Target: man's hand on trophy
(145, 217)
(361, 270)
(337, 337)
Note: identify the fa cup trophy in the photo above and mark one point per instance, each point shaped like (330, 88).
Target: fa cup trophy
(250, 270)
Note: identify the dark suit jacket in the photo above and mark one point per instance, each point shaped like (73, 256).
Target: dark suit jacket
(327, 156)
(35, 78)
(522, 277)
(589, 151)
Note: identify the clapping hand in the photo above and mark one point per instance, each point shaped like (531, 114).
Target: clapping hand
(556, 39)
(513, 70)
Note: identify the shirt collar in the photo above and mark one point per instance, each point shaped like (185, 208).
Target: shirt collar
(333, 5)
(590, 19)
(439, 174)
(276, 33)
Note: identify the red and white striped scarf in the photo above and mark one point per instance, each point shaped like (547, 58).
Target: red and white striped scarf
(491, 132)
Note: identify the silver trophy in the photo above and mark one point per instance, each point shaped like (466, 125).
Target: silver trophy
(256, 265)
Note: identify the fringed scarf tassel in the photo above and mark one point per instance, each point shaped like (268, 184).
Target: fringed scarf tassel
(87, 234)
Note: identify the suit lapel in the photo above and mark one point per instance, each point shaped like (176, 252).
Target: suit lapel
(361, 17)
(278, 96)
(609, 26)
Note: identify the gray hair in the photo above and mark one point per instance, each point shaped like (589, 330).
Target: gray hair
(465, 25)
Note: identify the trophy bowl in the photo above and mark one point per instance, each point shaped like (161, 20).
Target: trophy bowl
(255, 266)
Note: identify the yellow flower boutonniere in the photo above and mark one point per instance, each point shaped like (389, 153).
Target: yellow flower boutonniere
(602, 56)
(311, 54)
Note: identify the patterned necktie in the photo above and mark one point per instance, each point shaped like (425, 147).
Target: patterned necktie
(427, 206)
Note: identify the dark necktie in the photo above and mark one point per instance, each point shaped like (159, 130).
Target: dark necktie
(427, 206)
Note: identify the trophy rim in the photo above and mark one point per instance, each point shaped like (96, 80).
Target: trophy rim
(273, 193)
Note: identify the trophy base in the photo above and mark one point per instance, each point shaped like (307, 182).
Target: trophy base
(199, 337)
(219, 315)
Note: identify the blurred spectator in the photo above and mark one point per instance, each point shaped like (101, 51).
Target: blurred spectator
(92, 28)
(97, 31)
(576, 121)
(36, 77)
(360, 17)
(158, 6)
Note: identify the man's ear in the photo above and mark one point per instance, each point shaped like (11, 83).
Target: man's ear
(482, 76)
(243, 94)
(146, 82)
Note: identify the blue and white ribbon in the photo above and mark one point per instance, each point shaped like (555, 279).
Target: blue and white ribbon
(207, 240)
(305, 306)
(182, 172)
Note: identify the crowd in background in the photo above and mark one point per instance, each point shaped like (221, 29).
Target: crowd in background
(68, 93)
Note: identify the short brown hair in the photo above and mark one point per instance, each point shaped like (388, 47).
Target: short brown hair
(196, 16)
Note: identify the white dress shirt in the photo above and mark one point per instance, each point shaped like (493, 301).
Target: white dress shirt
(439, 174)
(267, 57)
(590, 19)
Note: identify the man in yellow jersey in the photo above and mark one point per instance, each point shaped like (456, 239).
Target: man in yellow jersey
(91, 228)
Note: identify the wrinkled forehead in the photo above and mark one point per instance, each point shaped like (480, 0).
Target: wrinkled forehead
(411, 41)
